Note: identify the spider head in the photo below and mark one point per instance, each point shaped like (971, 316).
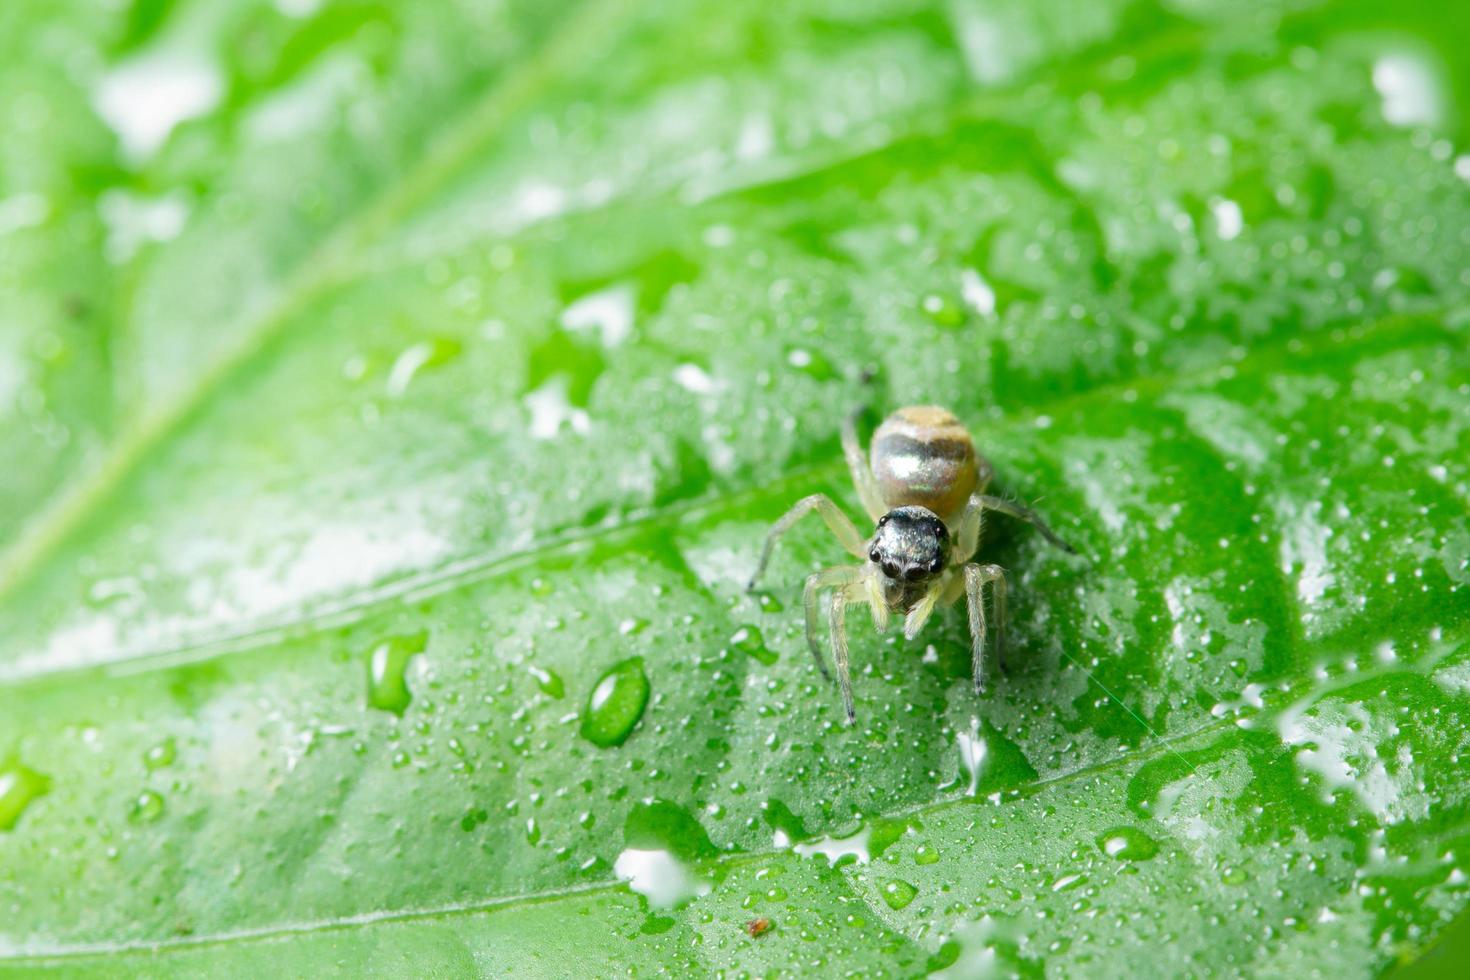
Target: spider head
(911, 544)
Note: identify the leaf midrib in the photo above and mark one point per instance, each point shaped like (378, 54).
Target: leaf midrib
(1157, 747)
(353, 607)
(1284, 699)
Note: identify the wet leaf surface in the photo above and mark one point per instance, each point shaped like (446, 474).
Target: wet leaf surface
(394, 422)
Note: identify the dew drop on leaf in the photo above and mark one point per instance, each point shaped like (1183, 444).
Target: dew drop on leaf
(944, 956)
(943, 311)
(748, 640)
(840, 849)
(1127, 844)
(19, 785)
(549, 681)
(160, 755)
(1069, 881)
(147, 808)
(426, 354)
(898, 894)
(388, 670)
(632, 626)
(658, 876)
(616, 703)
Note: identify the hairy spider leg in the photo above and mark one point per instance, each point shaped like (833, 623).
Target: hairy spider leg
(967, 531)
(836, 577)
(920, 611)
(839, 650)
(857, 465)
(975, 579)
(967, 536)
(873, 593)
(839, 523)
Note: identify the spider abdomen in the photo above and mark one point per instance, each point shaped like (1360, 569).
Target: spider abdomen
(922, 455)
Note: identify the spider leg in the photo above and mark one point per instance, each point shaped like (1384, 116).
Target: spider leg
(920, 612)
(872, 594)
(975, 578)
(838, 576)
(857, 465)
(967, 530)
(1010, 509)
(839, 650)
(837, 521)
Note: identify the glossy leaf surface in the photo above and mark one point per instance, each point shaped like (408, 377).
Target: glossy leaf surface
(395, 413)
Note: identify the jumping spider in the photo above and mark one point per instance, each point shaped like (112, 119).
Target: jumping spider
(924, 484)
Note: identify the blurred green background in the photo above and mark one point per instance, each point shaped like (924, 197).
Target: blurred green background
(380, 381)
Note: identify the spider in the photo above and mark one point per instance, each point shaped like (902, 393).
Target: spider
(924, 484)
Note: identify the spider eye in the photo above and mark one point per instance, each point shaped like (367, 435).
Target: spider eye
(890, 569)
(873, 555)
(934, 565)
(883, 520)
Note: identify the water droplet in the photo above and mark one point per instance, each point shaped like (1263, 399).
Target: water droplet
(748, 640)
(834, 849)
(19, 785)
(943, 310)
(657, 925)
(943, 957)
(549, 681)
(1127, 844)
(160, 756)
(147, 808)
(145, 96)
(1229, 220)
(787, 825)
(388, 671)
(924, 854)
(659, 825)
(632, 626)
(616, 704)
(608, 311)
(422, 355)
(551, 408)
(978, 294)
(988, 761)
(1411, 89)
(658, 876)
(898, 894)
(811, 363)
(972, 756)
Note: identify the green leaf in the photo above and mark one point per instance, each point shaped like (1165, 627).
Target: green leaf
(395, 412)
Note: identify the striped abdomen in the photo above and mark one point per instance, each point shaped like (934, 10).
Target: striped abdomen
(923, 455)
